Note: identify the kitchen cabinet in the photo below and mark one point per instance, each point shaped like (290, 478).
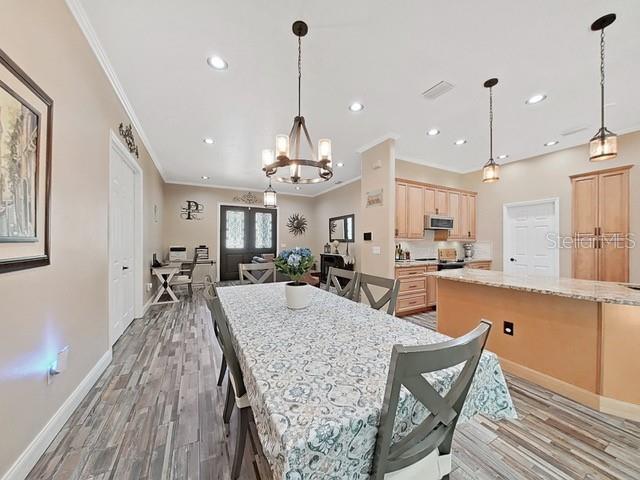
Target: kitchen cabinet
(401, 210)
(410, 207)
(600, 224)
(414, 200)
(417, 291)
(415, 211)
(479, 264)
(462, 206)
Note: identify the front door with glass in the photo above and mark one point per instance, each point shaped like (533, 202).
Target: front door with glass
(245, 232)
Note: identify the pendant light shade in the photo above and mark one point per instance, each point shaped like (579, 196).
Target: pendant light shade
(491, 170)
(604, 145)
(270, 197)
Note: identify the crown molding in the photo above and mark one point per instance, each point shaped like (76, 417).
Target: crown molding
(336, 187)
(81, 17)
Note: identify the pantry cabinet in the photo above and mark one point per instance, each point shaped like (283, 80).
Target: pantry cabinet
(600, 224)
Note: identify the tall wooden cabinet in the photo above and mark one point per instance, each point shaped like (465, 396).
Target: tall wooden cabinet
(600, 219)
(410, 205)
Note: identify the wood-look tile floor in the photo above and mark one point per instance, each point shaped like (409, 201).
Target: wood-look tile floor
(156, 413)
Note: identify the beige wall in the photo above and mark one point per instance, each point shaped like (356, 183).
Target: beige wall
(548, 176)
(65, 303)
(192, 233)
(378, 172)
(341, 201)
(423, 173)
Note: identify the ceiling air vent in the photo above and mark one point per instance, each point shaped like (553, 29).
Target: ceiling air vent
(437, 90)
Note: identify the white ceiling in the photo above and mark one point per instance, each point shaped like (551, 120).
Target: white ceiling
(382, 53)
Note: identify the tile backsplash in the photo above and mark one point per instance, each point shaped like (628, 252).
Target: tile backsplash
(428, 248)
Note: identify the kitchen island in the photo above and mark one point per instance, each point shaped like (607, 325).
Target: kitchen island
(578, 338)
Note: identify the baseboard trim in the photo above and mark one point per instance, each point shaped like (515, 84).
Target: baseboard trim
(146, 306)
(580, 395)
(630, 411)
(30, 456)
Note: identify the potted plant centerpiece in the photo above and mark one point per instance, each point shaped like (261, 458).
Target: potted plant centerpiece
(294, 263)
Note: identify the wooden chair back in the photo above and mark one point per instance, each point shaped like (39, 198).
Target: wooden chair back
(350, 288)
(227, 348)
(435, 432)
(390, 286)
(257, 272)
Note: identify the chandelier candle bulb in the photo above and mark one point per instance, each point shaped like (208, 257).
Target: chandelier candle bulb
(267, 157)
(282, 146)
(324, 149)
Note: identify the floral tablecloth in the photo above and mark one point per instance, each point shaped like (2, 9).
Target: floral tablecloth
(316, 378)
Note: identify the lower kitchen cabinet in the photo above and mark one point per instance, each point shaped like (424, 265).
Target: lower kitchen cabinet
(417, 291)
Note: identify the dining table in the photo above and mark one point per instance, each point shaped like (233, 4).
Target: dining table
(316, 377)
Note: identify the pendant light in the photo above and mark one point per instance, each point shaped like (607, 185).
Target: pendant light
(604, 145)
(270, 197)
(287, 155)
(491, 170)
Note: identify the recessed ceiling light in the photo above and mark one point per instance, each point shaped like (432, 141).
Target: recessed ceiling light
(537, 98)
(217, 62)
(551, 143)
(208, 141)
(340, 164)
(502, 157)
(297, 187)
(433, 132)
(462, 141)
(356, 107)
(204, 177)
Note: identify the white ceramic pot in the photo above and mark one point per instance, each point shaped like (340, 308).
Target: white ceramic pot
(298, 295)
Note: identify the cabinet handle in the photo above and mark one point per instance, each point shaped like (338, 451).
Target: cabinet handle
(437, 211)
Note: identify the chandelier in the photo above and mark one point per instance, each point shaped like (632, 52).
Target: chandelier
(604, 145)
(491, 170)
(287, 154)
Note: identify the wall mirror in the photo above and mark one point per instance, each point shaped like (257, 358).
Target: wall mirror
(342, 229)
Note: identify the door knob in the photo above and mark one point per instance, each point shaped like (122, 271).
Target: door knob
(512, 259)
(125, 268)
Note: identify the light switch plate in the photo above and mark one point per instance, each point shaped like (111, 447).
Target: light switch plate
(375, 250)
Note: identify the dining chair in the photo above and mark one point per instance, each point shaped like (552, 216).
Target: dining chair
(257, 272)
(236, 390)
(210, 293)
(425, 452)
(390, 287)
(349, 289)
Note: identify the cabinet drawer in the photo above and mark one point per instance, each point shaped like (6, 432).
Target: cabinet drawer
(413, 302)
(412, 285)
(409, 271)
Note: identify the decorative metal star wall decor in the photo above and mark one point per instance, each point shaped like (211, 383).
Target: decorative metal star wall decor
(297, 224)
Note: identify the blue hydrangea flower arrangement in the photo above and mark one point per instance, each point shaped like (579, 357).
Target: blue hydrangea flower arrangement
(294, 262)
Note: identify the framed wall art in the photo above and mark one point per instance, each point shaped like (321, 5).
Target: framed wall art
(26, 122)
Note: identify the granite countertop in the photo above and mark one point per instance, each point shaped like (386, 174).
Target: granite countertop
(607, 292)
(419, 263)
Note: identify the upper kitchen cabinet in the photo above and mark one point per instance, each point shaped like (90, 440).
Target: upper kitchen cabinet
(410, 208)
(462, 207)
(414, 200)
(600, 219)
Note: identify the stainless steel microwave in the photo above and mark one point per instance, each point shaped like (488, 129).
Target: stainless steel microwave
(438, 222)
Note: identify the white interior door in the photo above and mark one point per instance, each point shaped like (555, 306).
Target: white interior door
(530, 230)
(121, 245)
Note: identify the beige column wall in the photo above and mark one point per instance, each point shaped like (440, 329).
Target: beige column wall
(378, 173)
(65, 303)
